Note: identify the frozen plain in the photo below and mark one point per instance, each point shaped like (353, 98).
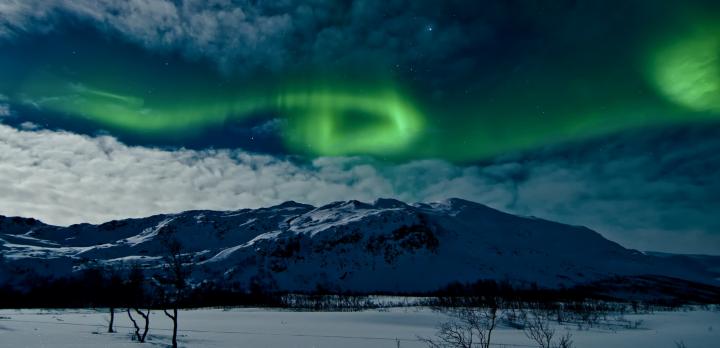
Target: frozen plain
(258, 328)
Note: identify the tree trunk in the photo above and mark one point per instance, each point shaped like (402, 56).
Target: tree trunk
(174, 339)
(173, 317)
(112, 320)
(147, 323)
(137, 329)
(146, 317)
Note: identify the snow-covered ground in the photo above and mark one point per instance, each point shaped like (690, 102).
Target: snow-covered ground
(376, 328)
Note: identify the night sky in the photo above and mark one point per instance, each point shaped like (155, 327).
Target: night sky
(596, 113)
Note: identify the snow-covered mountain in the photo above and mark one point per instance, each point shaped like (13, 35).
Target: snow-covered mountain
(347, 246)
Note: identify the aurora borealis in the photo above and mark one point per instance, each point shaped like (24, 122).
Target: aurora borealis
(319, 121)
(687, 70)
(658, 75)
(389, 84)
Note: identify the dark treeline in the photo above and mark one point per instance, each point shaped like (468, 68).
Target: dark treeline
(91, 288)
(95, 288)
(657, 291)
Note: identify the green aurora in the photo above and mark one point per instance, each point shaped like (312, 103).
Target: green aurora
(323, 121)
(687, 70)
(667, 80)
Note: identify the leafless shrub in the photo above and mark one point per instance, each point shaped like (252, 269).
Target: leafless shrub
(468, 327)
(538, 327)
(565, 341)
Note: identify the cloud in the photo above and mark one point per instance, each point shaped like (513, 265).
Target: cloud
(22, 16)
(29, 126)
(4, 110)
(649, 192)
(281, 35)
(269, 127)
(66, 178)
(4, 107)
(238, 34)
(645, 189)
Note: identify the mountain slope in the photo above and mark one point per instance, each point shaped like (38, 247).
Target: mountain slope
(344, 246)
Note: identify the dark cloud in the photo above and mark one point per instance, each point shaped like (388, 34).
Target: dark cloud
(650, 189)
(447, 38)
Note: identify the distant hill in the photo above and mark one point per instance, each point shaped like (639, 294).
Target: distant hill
(386, 246)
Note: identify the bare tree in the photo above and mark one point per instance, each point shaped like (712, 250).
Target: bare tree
(467, 328)
(113, 296)
(565, 341)
(173, 282)
(135, 298)
(111, 323)
(538, 327)
(146, 316)
(173, 317)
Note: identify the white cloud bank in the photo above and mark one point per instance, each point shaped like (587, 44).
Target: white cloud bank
(64, 178)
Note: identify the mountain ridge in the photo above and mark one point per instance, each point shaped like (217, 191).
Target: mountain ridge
(383, 246)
